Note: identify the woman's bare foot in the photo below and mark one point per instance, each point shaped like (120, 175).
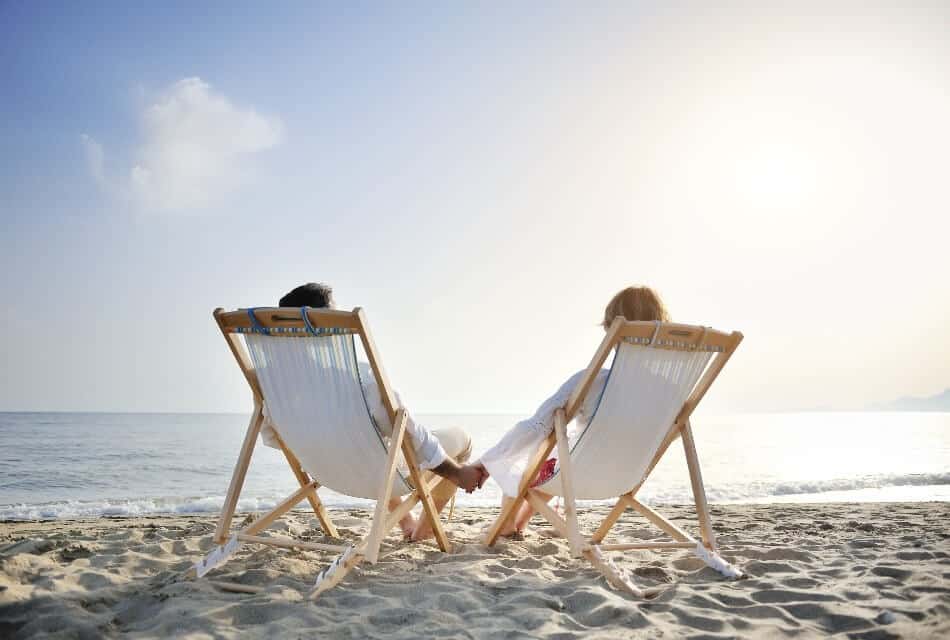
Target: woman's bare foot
(512, 532)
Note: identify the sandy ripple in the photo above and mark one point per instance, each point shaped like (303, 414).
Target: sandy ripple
(852, 570)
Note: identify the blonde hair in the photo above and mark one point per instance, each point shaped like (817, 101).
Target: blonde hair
(636, 303)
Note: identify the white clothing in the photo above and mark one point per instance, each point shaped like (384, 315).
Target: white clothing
(507, 460)
(429, 452)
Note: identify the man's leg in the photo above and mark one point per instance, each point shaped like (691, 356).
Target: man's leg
(457, 445)
(408, 522)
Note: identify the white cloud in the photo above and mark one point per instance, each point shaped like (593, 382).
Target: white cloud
(193, 152)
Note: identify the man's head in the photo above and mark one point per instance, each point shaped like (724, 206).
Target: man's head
(312, 294)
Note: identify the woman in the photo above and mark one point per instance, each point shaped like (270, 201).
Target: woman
(506, 461)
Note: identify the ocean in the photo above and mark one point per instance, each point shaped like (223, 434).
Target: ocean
(82, 465)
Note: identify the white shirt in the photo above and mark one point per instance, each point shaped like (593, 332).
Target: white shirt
(429, 451)
(507, 460)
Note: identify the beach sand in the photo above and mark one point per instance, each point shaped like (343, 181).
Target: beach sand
(856, 570)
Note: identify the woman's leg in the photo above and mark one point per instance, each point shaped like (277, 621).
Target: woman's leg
(521, 517)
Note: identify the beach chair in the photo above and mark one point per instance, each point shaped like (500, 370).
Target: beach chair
(659, 374)
(301, 365)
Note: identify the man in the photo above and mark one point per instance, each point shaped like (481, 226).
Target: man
(442, 451)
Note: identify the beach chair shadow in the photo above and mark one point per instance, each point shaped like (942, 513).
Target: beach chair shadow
(301, 365)
(659, 374)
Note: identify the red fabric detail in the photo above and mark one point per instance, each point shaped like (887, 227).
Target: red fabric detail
(546, 472)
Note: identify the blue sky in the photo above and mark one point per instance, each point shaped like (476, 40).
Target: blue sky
(481, 180)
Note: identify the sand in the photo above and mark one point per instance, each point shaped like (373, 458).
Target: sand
(853, 570)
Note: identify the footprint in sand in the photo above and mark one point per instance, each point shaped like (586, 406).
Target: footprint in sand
(891, 572)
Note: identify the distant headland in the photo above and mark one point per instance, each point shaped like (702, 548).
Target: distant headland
(939, 402)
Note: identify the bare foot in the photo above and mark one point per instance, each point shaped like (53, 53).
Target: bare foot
(514, 534)
(416, 536)
(408, 523)
(408, 527)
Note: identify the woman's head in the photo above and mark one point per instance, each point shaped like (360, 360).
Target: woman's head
(636, 303)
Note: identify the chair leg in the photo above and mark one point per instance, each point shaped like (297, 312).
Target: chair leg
(544, 509)
(237, 478)
(425, 495)
(574, 539)
(315, 503)
(508, 511)
(658, 520)
(699, 490)
(610, 520)
(221, 553)
(380, 514)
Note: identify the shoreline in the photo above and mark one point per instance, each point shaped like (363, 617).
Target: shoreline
(211, 505)
(856, 569)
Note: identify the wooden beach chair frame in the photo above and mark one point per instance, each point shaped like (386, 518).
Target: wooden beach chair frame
(289, 321)
(678, 337)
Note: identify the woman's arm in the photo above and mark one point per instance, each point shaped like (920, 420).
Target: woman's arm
(506, 461)
(538, 426)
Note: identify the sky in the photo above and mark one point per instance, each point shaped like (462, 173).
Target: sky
(481, 180)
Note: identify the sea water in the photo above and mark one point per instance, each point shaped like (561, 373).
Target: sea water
(71, 465)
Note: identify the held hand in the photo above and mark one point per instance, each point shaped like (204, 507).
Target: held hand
(471, 477)
(483, 473)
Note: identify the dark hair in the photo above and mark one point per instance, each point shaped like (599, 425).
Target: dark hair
(312, 294)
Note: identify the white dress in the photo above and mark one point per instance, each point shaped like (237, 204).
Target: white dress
(507, 460)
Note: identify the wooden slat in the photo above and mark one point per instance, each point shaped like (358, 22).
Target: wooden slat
(422, 490)
(542, 507)
(580, 391)
(397, 514)
(567, 484)
(508, 511)
(303, 478)
(290, 543)
(282, 317)
(407, 504)
(712, 372)
(240, 355)
(613, 574)
(648, 545)
(657, 519)
(376, 364)
(610, 520)
(689, 336)
(378, 529)
(337, 577)
(699, 490)
(237, 477)
(289, 503)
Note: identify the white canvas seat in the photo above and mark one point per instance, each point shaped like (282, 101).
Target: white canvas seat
(302, 368)
(312, 390)
(659, 373)
(645, 389)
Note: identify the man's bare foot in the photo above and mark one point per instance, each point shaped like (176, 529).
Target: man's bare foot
(408, 527)
(408, 523)
(417, 536)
